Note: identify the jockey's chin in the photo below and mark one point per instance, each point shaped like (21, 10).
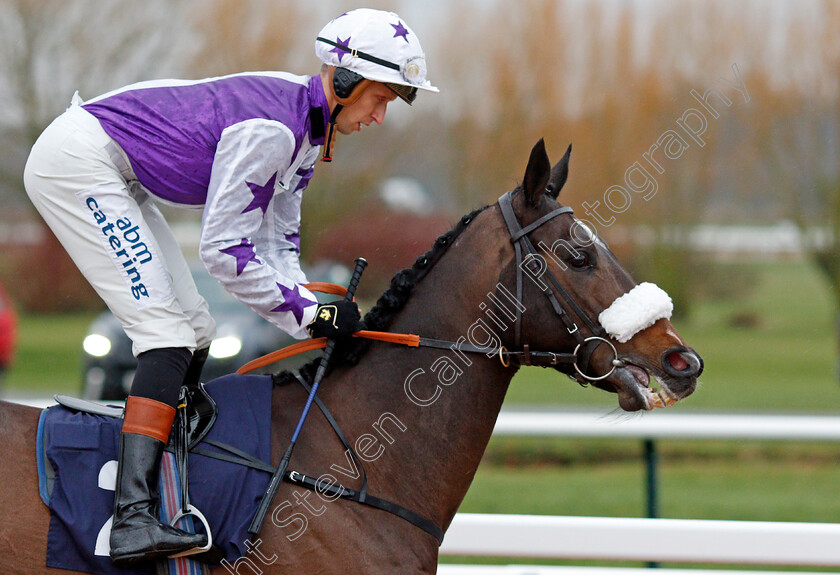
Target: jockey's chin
(349, 128)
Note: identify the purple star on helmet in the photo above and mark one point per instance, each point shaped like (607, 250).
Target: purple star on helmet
(339, 51)
(293, 302)
(262, 195)
(244, 253)
(401, 31)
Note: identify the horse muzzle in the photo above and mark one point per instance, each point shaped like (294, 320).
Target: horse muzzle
(644, 385)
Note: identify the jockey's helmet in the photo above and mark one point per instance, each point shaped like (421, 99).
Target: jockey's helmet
(374, 45)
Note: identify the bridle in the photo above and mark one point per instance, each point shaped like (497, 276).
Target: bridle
(526, 255)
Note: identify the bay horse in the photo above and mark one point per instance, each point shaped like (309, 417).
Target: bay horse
(419, 418)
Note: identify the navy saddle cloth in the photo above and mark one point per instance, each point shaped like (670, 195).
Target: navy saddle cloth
(82, 451)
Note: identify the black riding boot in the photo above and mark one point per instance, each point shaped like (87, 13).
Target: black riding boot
(137, 534)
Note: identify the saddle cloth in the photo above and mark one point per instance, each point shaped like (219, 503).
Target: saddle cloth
(81, 453)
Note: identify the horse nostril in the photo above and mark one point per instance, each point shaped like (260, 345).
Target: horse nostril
(681, 362)
(677, 361)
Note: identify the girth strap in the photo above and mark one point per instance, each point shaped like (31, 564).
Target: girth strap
(360, 496)
(240, 457)
(333, 490)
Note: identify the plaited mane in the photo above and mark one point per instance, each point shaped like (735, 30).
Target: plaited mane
(380, 317)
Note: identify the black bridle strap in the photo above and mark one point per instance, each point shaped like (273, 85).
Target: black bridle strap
(522, 243)
(524, 357)
(515, 237)
(519, 236)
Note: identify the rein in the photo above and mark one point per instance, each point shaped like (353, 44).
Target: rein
(579, 359)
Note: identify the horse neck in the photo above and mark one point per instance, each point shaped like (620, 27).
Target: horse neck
(446, 401)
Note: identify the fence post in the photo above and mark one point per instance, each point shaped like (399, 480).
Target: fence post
(652, 474)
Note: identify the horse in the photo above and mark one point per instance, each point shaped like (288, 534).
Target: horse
(420, 418)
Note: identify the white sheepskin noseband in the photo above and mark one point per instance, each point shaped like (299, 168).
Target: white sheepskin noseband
(636, 310)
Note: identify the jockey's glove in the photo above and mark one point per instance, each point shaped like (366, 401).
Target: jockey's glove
(336, 320)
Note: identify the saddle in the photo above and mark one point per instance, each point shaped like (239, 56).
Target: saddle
(199, 412)
(195, 416)
(228, 449)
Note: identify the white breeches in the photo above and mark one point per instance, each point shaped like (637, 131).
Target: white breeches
(83, 186)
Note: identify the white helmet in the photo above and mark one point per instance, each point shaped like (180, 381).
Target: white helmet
(378, 46)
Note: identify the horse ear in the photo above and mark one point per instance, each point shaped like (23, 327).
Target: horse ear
(536, 174)
(559, 173)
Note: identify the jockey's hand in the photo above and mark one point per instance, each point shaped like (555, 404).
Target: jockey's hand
(336, 320)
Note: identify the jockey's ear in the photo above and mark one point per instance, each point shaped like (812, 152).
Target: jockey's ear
(559, 173)
(536, 174)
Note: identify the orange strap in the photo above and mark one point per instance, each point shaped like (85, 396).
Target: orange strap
(321, 342)
(326, 287)
(294, 349)
(398, 338)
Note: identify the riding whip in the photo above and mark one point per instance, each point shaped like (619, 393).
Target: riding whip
(277, 478)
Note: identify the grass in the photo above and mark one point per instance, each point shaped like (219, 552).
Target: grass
(752, 490)
(49, 355)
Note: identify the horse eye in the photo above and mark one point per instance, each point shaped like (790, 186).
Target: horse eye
(580, 260)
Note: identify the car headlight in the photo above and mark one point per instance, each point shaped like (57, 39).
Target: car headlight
(224, 347)
(97, 345)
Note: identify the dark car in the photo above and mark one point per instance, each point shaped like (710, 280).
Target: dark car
(8, 327)
(241, 335)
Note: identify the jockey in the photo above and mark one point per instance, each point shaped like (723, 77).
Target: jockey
(242, 147)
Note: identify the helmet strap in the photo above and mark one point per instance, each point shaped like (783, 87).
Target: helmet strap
(345, 90)
(327, 157)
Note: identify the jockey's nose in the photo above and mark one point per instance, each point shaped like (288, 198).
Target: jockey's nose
(378, 114)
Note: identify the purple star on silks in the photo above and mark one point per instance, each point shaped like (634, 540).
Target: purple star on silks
(262, 195)
(295, 239)
(339, 51)
(294, 302)
(244, 253)
(400, 30)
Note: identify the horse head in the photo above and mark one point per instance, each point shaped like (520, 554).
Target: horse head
(577, 297)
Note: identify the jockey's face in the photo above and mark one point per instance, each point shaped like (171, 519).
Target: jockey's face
(368, 109)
